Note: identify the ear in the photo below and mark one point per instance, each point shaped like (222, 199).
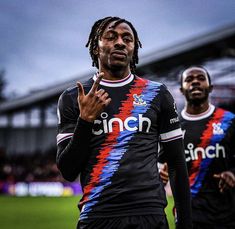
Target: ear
(181, 90)
(211, 88)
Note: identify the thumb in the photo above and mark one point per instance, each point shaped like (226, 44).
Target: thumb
(80, 89)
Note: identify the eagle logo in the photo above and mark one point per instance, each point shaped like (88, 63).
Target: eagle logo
(138, 100)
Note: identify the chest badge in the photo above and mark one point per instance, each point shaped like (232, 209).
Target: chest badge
(138, 100)
(217, 130)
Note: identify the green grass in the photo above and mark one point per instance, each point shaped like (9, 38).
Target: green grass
(45, 212)
(169, 213)
(38, 212)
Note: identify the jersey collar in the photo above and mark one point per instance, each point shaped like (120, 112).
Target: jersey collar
(196, 117)
(115, 83)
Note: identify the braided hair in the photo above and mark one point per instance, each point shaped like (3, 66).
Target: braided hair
(96, 33)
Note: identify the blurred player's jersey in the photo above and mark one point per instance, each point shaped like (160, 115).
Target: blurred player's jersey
(209, 140)
(122, 172)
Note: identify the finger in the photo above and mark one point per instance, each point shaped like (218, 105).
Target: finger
(229, 181)
(164, 178)
(164, 181)
(165, 174)
(80, 89)
(228, 178)
(217, 176)
(221, 183)
(165, 167)
(105, 96)
(100, 93)
(224, 187)
(107, 102)
(97, 82)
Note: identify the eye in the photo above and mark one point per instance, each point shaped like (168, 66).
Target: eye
(188, 79)
(127, 39)
(202, 78)
(110, 37)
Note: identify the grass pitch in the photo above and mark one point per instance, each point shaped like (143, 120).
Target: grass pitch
(46, 212)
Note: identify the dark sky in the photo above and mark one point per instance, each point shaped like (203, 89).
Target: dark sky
(43, 41)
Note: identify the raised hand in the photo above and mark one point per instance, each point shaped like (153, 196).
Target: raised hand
(94, 102)
(226, 180)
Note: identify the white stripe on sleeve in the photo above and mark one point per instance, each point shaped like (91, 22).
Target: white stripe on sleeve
(171, 135)
(62, 137)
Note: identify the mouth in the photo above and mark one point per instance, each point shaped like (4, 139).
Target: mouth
(196, 90)
(119, 54)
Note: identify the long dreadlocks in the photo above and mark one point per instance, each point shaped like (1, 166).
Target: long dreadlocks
(96, 33)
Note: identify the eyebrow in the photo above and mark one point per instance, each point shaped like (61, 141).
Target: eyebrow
(111, 30)
(201, 74)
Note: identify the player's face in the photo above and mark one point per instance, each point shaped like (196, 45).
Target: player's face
(116, 47)
(195, 85)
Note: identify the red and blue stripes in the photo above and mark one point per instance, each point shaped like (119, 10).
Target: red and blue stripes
(116, 144)
(199, 168)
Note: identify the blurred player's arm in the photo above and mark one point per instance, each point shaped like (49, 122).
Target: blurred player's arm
(173, 151)
(162, 166)
(179, 181)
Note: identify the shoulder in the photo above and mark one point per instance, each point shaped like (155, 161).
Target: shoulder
(148, 81)
(224, 113)
(67, 97)
(152, 84)
(72, 92)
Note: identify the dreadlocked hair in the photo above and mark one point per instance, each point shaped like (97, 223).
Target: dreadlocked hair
(96, 33)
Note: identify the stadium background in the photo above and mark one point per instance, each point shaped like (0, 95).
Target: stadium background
(33, 193)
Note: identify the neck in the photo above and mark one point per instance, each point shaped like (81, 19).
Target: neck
(195, 109)
(110, 74)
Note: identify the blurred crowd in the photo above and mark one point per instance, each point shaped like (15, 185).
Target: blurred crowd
(29, 168)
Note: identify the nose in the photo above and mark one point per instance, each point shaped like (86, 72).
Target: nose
(195, 81)
(119, 43)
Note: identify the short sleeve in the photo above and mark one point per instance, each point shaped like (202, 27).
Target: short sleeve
(169, 123)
